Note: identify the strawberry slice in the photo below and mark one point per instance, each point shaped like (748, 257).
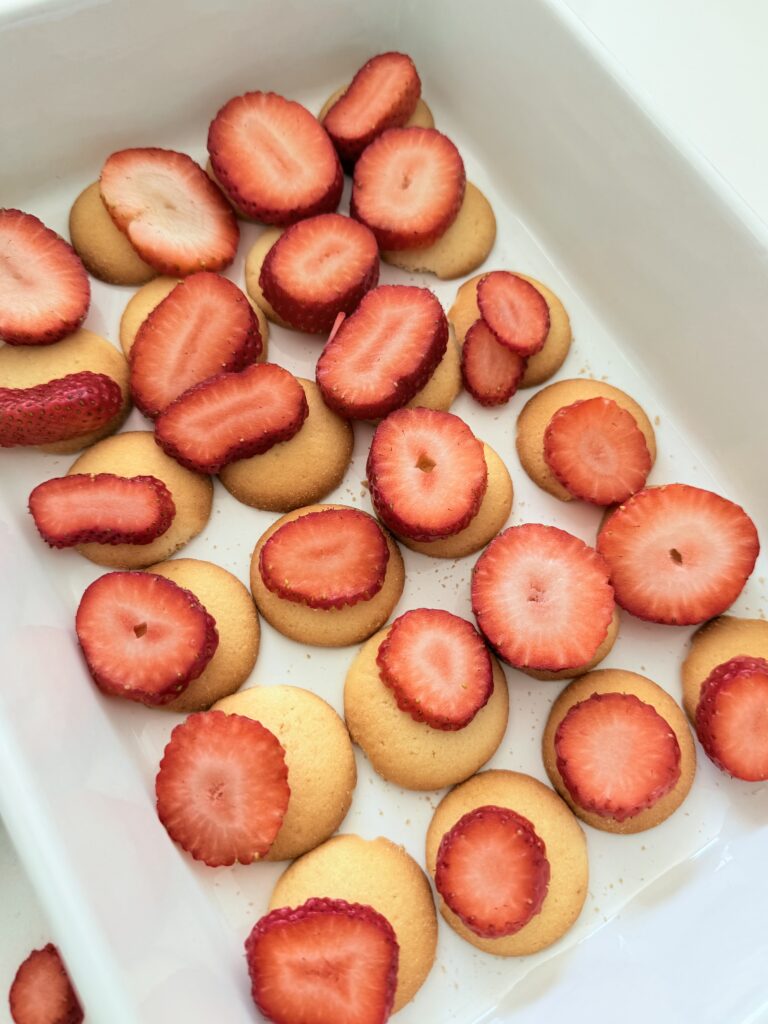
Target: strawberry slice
(617, 755)
(222, 788)
(44, 289)
(203, 327)
(143, 637)
(58, 410)
(383, 94)
(426, 472)
(597, 451)
(384, 353)
(542, 598)
(515, 311)
(408, 187)
(324, 962)
(174, 216)
(326, 559)
(732, 718)
(438, 667)
(319, 268)
(678, 554)
(41, 992)
(492, 871)
(491, 371)
(105, 509)
(274, 159)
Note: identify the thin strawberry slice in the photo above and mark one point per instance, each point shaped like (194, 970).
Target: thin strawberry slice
(732, 718)
(44, 289)
(617, 756)
(203, 327)
(426, 472)
(491, 371)
(143, 637)
(678, 554)
(597, 451)
(41, 992)
(59, 410)
(384, 353)
(174, 216)
(324, 962)
(222, 788)
(232, 416)
(438, 667)
(319, 268)
(105, 509)
(408, 187)
(327, 559)
(274, 159)
(492, 871)
(383, 94)
(515, 311)
(542, 598)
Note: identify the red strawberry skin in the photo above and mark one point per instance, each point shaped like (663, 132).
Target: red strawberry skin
(491, 371)
(732, 718)
(44, 289)
(319, 268)
(516, 312)
(232, 416)
(222, 788)
(274, 159)
(105, 509)
(41, 992)
(144, 638)
(59, 410)
(324, 962)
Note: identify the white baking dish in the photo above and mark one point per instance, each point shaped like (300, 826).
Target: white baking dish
(664, 276)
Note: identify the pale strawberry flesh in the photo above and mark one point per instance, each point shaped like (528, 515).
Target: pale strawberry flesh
(60, 410)
(41, 992)
(491, 372)
(732, 718)
(515, 311)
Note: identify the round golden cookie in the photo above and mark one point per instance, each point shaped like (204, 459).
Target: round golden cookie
(101, 245)
(461, 249)
(536, 414)
(225, 598)
(299, 471)
(321, 762)
(579, 670)
(549, 358)
(420, 118)
(135, 453)
(413, 754)
(327, 627)
(614, 680)
(443, 386)
(26, 366)
(566, 851)
(715, 642)
(253, 264)
(380, 874)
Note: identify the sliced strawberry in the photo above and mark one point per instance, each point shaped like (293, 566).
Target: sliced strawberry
(597, 451)
(324, 962)
(492, 871)
(383, 94)
(105, 509)
(515, 311)
(408, 187)
(542, 598)
(42, 993)
(678, 554)
(44, 289)
(326, 559)
(427, 473)
(174, 216)
(438, 667)
(203, 327)
(274, 159)
(491, 371)
(384, 353)
(732, 718)
(617, 756)
(222, 788)
(143, 637)
(319, 268)
(59, 410)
